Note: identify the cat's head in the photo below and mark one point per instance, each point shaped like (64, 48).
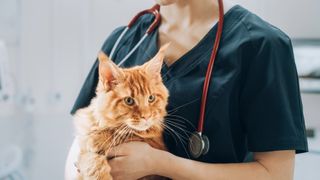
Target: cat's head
(132, 99)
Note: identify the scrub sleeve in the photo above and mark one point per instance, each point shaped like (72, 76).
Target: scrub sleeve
(271, 104)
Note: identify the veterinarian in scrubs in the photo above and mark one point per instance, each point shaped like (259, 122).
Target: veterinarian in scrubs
(254, 117)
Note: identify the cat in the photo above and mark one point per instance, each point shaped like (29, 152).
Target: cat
(130, 104)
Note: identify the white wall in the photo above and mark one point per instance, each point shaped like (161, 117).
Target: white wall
(59, 42)
(298, 18)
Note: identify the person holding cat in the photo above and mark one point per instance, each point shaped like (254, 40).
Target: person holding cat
(254, 119)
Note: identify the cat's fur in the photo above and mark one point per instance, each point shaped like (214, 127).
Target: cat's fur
(111, 119)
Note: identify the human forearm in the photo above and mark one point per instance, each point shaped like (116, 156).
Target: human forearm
(180, 168)
(188, 169)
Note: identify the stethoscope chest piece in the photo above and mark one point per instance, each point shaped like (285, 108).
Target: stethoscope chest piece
(198, 144)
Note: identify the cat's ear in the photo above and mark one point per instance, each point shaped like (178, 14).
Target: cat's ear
(153, 67)
(109, 72)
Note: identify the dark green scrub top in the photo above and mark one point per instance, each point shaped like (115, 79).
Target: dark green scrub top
(254, 102)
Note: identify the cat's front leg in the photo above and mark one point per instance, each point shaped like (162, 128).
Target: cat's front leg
(93, 166)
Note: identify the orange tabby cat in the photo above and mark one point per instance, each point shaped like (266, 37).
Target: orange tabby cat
(129, 104)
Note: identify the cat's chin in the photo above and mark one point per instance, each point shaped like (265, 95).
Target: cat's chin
(144, 135)
(151, 132)
(140, 128)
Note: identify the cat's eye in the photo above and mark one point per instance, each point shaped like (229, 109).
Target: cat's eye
(129, 101)
(151, 98)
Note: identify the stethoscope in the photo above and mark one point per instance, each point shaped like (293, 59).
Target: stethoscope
(198, 142)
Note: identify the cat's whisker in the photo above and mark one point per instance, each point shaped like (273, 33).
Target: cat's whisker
(124, 136)
(119, 137)
(174, 118)
(179, 138)
(178, 135)
(182, 138)
(106, 141)
(173, 136)
(179, 127)
(175, 115)
(117, 131)
(115, 136)
(110, 145)
(111, 138)
(175, 132)
(181, 124)
(131, 135)
(183, 130)
(184, 120)
(172, 124)
(185, 138)
(183, 105)
(184, 146)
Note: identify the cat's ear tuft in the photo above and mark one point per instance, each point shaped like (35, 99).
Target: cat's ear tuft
(109, 72)
(153, 67)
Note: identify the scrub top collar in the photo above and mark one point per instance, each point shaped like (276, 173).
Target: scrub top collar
(193, 57)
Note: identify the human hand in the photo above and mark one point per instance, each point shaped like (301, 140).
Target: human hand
(132, 160)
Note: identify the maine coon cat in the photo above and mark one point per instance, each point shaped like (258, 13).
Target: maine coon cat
(130, 103)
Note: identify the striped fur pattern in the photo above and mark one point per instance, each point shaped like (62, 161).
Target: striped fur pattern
(130, 104)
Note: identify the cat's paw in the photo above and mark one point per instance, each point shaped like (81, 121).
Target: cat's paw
(94, 167)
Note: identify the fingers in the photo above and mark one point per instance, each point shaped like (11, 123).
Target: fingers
(116, 167)
(123, 149)
(117, 151)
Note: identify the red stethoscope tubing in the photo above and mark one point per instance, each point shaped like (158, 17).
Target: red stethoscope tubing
(210, 67)
(155, 11)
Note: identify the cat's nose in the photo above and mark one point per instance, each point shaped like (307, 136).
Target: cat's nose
(145, 118)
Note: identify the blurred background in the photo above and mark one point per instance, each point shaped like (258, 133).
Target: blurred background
(48, 46)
